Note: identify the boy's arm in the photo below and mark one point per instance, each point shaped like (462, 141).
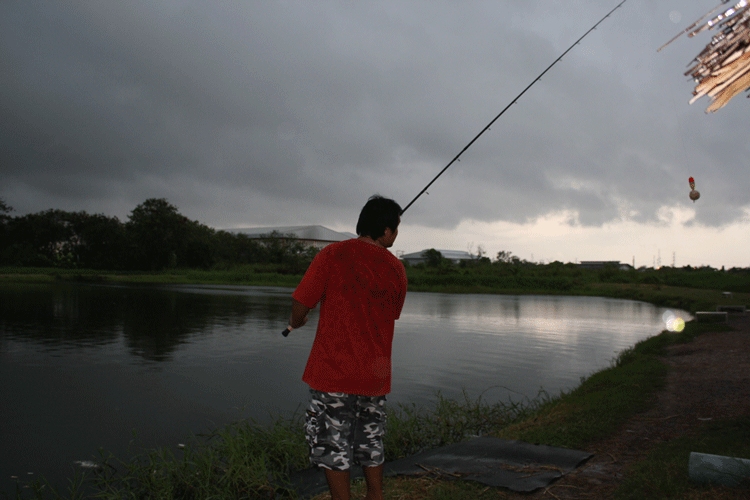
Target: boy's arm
(298, 317)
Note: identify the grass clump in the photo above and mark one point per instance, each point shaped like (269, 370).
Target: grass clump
(413, 429)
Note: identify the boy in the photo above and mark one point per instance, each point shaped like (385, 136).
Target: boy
(361, 287)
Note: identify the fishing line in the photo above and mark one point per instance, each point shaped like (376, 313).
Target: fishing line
(509, 105)
(686, 157)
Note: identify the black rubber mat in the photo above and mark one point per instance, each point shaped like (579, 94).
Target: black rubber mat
(515, 465)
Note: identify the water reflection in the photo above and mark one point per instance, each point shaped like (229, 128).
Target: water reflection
(154, 321)
(519, 343)
(54, 318)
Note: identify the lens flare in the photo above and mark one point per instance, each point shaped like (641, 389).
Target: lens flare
(674, 323)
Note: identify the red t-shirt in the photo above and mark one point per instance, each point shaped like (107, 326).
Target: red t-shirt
(361, 288)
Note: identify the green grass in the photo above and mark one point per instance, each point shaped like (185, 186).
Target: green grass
(664, 473)
(257, 275)
(689, 299)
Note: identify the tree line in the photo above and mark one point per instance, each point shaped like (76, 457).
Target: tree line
(509, 272)
(155, 237)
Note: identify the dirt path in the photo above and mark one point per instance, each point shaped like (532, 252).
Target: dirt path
(709, 380)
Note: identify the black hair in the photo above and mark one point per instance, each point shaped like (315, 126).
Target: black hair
(377, 214)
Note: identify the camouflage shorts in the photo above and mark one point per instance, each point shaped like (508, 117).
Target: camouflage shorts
(344, 428)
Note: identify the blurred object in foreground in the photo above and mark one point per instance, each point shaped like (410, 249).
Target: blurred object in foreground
(722, 69)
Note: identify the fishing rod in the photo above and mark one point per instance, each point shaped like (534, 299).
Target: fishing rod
(289, 328)
(508, 106)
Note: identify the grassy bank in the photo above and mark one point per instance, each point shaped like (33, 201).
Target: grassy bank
(250, 275)
(244, 460)
(664, 473)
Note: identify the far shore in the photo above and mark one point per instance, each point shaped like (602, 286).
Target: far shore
(701, 298)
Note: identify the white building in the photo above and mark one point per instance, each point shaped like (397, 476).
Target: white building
(314, 236)
(455, 256)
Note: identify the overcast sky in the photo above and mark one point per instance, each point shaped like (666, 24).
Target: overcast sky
(260, 113)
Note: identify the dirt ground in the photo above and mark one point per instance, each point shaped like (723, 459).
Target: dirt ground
(710, 380)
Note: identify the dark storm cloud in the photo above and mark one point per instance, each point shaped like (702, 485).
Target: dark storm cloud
(244, 106)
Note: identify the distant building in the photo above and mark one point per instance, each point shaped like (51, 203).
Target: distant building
(455, 256)
(601, 264)
(314, 236)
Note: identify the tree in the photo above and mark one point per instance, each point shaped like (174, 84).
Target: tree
(100, 241)
(199, 248)
(433, 258)
(281, 248)
(233, 249)
(40, 239)
(160, 237)
(4, 207)
(4, 222)
(477, 259)
(156, 231)
(506, 257)
(63, 239)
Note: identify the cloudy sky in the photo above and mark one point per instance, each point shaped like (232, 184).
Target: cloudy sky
(260, 113)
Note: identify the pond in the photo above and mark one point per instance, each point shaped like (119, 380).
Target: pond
(84, 367)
